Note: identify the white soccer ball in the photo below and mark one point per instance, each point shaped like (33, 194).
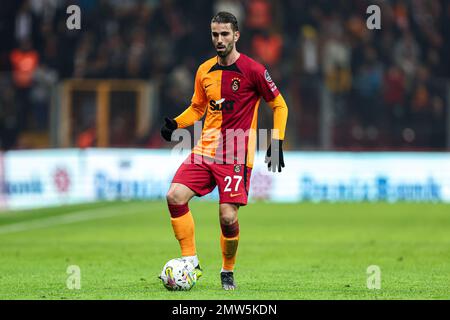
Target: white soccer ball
(178, 275)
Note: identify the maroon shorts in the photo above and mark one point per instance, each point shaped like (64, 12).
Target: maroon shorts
(202, 176)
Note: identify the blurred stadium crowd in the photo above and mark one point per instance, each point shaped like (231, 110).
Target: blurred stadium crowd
(389, 87)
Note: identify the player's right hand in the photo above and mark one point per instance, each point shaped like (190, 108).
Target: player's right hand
(167, 129)
(274, 156)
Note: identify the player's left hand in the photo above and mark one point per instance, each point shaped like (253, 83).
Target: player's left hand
(168, 128)
(274, 156)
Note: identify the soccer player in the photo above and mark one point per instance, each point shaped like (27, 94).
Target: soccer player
(228, 89)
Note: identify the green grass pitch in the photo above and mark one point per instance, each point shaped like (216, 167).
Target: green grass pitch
(286, 251)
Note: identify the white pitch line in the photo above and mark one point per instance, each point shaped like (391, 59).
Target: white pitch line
(79, 216)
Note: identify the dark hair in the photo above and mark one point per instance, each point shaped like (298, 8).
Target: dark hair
(226, 17)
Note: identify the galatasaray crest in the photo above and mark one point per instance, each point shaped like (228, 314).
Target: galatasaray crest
(235, 84)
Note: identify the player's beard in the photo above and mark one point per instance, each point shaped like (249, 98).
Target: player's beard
(227, 50)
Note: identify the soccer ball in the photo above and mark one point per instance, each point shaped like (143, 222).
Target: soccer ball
(178, 275)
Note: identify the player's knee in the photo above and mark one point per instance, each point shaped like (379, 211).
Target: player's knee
(228, 214)
(177, 203)
(227, 219)
(175, 197)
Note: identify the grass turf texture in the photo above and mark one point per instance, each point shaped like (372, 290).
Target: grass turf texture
(286, 251)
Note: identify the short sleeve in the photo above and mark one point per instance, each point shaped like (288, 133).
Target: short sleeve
(265, 85)
(199, 97)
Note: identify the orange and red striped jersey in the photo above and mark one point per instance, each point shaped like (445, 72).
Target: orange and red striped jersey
(230, 96)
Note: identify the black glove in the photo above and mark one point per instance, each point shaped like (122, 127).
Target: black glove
(167, 129)
(274, 156)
